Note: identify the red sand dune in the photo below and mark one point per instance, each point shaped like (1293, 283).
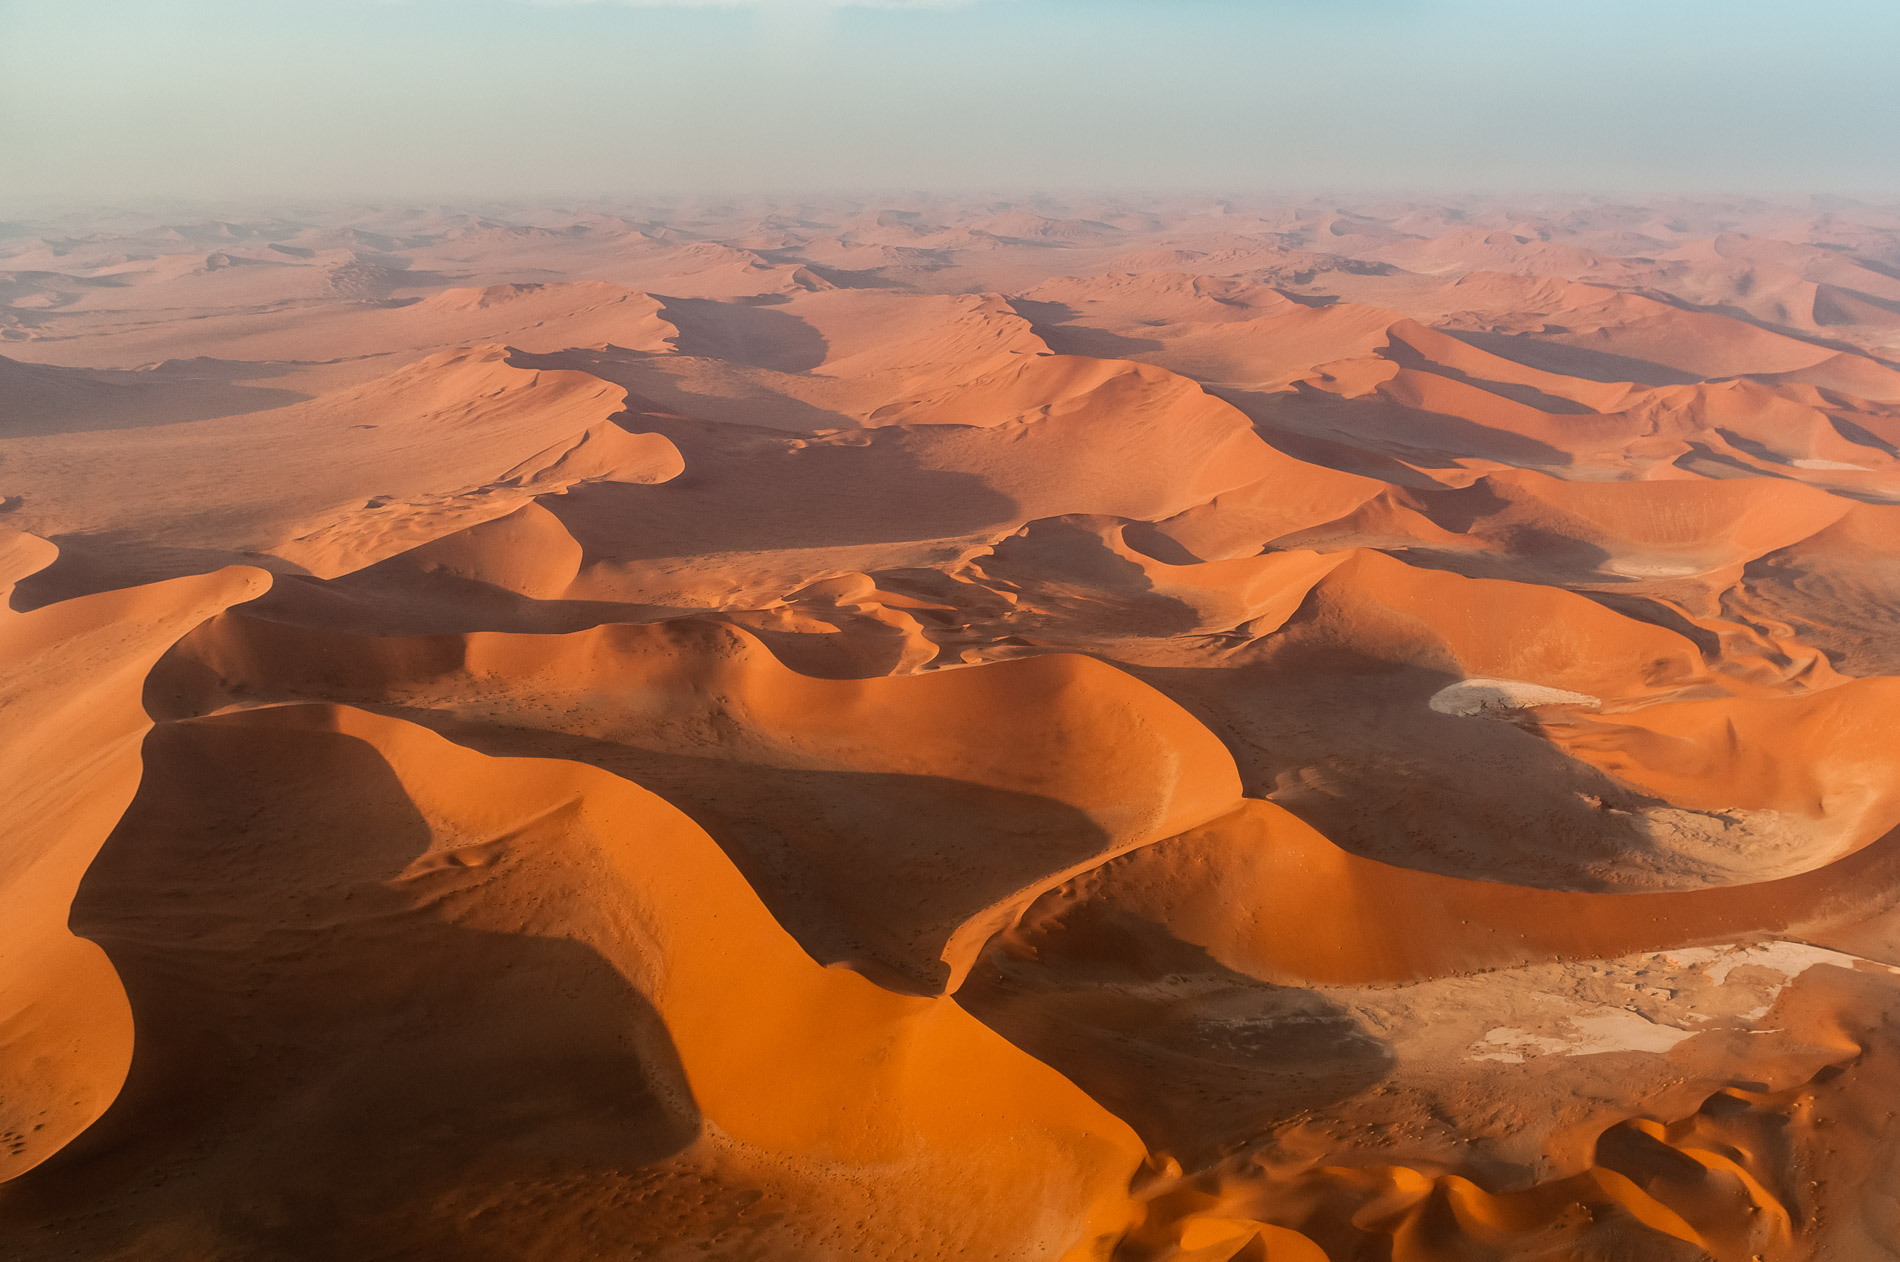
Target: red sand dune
(1147, 731)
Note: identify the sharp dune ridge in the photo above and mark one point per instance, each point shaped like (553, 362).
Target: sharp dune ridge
(1140, 730)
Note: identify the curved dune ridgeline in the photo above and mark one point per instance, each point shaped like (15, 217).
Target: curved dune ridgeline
(70, 749)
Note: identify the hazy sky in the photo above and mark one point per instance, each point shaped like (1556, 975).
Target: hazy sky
(124, 100)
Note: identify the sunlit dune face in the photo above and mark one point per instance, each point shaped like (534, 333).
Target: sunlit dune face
(1139, 730)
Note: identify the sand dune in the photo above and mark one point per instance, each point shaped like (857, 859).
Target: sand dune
(71, 684)
(1831, 589)
(561, 907)
(1143, 730)
(1315, 913)
(1567, 531)
(1101, 976)
(1381, 610)
(419, 453)
(953, 824)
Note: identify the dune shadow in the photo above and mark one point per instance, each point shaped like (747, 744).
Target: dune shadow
(872, 870)
(1530, 396)
(745, 333)
(1530, 555)
(1861, 436)
(321, 1053)
(1199, 1059)
(744, 397)
(107, 561)
(1051, 321)
(44, 400)
(1074, 583)
(376, 601)
(1263, 409)
(1413, 435)
(743, 492)
(1352, 747)
(1573, 361)
(1850, 611)
(837, 277)
(854, 278)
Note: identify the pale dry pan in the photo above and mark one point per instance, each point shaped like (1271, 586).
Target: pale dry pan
(1150, 732)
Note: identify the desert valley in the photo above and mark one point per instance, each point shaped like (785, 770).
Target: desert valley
(1136, 729)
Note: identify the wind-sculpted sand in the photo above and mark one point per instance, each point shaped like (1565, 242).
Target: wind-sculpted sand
(1161, 731)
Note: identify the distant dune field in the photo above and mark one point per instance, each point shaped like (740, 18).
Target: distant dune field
(1135, 730)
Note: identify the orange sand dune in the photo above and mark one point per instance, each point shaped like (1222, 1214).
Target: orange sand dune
(1087, 574)
(1638, 328)
(1699, 1185)
(1312, 912)
(1670, 529)
(880, 336)
(413, 455)
(1816, 765)
(1122, 729)
(321, 345)
(1094, 762)
(70, 690)
(1833, 588)
(1273, 935)
(1848, 374)
(1244, 336)
(1382, 610)
(684, 1075)
(827, 357)
(935, 481)
(1416, 345)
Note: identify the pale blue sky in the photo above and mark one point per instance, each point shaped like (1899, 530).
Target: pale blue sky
(122, 100)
